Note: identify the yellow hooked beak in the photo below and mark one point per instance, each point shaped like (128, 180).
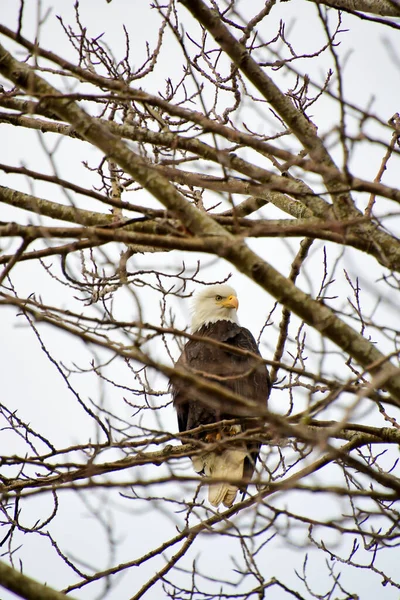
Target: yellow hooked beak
(230, 302)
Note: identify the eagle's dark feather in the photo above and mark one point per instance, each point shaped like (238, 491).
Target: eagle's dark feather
(243, 375)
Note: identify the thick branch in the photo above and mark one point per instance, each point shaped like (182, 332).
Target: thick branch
(25, 587)
(385, 8)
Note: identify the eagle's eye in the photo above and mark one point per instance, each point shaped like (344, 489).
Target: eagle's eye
(218, 298)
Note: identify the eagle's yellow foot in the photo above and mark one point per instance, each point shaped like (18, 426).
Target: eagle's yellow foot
(217, 436)
(213, 436)
(232, 430)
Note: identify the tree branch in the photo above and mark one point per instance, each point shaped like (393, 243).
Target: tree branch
(25, 587)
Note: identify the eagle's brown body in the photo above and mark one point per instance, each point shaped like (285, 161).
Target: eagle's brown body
(243, 375)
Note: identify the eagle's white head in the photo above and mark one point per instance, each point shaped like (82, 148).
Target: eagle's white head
(214, 303)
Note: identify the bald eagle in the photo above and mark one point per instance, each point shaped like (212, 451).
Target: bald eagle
(215, 317)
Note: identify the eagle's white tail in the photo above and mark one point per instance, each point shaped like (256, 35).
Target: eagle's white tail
(227, 464)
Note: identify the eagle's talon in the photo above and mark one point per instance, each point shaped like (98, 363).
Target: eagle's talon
(218, 436)
(232, 430)
(214, 436)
